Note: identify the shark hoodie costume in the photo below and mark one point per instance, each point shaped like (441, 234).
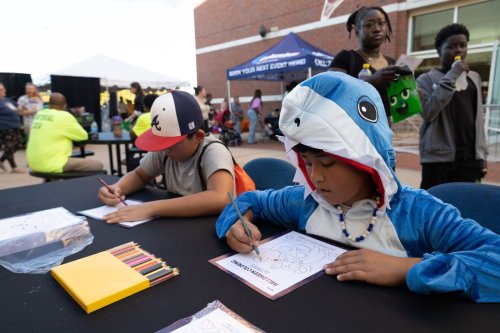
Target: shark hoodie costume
(345, 117)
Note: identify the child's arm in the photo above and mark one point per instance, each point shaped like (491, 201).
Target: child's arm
(209, 202)
(132, 181)
(435, 97)
(458, 255)
(464, 257)
(284, 207)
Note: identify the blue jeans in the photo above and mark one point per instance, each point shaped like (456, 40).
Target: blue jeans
(252, 116)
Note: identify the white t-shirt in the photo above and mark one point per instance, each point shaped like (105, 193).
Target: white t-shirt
(182, 177)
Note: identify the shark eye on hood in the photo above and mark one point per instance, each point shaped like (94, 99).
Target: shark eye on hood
(367, 109)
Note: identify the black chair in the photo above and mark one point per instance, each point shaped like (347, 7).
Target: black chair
(479, 202)
(270, 173)
(51, 176)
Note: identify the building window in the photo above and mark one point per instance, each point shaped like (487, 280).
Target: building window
(481, 20)
(426, 26)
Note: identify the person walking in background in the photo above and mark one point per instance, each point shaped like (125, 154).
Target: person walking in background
(10, 132)
(372, 27)
(51, 140)
(452, 136)
(28, 105)
(201, 95)
(237, 114)
(253, 114)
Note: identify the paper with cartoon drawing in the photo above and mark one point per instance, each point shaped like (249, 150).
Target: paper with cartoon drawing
(286, 263)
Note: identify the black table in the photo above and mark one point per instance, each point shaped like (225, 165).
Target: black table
(36, 303)
(107, 138)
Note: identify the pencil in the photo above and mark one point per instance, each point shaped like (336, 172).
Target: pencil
(243, 222)
(110, 189)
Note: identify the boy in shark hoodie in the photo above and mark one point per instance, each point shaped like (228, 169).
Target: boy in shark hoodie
(337, 136)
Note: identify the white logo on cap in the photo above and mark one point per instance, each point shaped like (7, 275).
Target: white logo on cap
(191, 125)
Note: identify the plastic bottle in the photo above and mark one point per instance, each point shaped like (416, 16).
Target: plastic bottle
(461, 83)
(94, 131)
(365, 74)
(94, 128)
(105, 125)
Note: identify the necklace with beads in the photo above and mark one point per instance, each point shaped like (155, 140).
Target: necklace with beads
(368, 229)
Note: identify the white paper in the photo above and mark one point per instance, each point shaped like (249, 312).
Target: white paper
(215, 321)
(99, 213)
(285, 261)
(38, 222)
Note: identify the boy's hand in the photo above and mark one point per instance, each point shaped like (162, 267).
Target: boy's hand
(238, 240)
(372, 267)
(130, 214)
(108, 198)
(460, 66)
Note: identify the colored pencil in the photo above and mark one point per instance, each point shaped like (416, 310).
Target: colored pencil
(145, 263)
(110, 189)
(243, 222)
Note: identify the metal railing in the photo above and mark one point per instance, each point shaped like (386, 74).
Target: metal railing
(406, 133)
(492, 128)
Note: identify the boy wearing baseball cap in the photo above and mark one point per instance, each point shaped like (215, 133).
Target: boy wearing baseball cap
(175, 145)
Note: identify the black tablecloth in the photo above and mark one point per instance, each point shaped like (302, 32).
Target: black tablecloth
(36, 303)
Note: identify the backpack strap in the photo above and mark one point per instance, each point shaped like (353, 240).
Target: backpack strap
(200, 170)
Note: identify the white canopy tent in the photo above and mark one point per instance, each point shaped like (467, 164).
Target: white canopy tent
(115, 72)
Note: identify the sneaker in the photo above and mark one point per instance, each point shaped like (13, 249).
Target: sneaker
(2, 167)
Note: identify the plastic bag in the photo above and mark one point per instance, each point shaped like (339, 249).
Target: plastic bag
(37, 252)
(403, 95)
(204, 321)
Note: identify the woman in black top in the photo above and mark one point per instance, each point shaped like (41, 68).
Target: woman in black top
(372, 27)
(136, 89)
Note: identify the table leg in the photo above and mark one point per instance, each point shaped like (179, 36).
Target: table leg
(111, 164)
(118, 161)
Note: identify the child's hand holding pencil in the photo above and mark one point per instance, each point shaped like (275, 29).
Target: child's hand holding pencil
(110, 195)
(243, 236)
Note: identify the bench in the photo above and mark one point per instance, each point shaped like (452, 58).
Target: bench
(51, 176)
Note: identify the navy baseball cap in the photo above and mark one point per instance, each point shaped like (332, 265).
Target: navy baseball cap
(174, 115)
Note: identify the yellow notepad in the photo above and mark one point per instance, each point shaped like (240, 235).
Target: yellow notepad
(103, 278)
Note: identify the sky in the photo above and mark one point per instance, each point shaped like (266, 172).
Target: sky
(40, 36)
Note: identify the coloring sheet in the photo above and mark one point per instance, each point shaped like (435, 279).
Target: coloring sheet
(285, 263)
(99, 212)
(38, 222)
(215, 318)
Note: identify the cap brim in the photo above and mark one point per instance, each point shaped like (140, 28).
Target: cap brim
(150, 142)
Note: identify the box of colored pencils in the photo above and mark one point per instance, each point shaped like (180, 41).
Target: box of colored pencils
(106, 277)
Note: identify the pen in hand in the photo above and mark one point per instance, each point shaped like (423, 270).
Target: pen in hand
(243, 222)
(110, 189)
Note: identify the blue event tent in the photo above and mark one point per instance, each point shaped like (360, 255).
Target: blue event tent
(291, 59)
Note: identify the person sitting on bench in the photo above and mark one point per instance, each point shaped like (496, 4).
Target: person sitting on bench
(51, 141)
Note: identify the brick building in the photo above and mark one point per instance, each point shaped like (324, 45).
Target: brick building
(227, 34)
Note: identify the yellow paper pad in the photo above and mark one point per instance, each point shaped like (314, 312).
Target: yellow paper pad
(99, 280)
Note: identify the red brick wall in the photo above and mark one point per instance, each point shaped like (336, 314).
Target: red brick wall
(219, 21)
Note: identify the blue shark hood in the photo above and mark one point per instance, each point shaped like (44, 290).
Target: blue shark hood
(344, 117)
